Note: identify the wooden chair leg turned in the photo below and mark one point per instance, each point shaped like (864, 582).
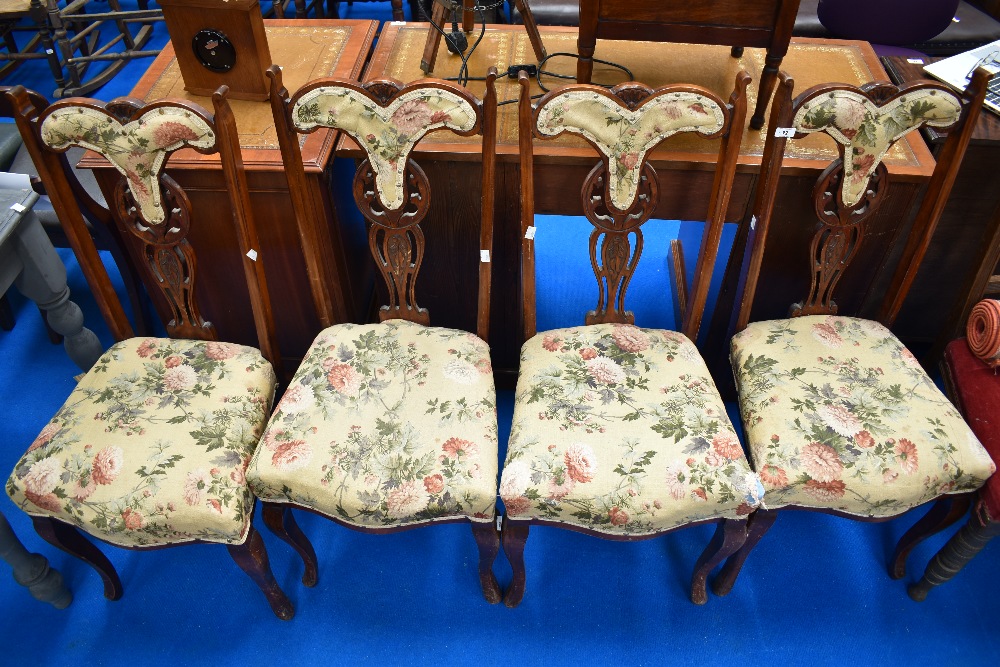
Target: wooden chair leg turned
(730, 535)
(67, 538)
(956, 553)
(281, 522)
(488, 541)
(513, 535)
(252, 558)
(943, 513)
(758, 524)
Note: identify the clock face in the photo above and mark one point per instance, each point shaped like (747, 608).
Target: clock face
(214, 50)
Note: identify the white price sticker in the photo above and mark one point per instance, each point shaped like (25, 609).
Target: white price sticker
(20, 208)
(753, 222)
(787, 132)
(252, 254)
(484, 256)
(530, 233)
(915, 61)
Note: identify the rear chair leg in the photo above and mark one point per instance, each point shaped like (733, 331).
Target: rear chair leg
(729, 536)
(488, 541)
(513, 535)
(280, 521)
(251, 556)
(759, 523)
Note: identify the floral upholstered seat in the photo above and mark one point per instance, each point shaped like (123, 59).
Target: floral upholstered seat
(385, 425)
(393, 425)
(621, 430)
(839, 415)
(152, 446)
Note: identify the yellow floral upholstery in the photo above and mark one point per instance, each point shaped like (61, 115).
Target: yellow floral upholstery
(385, 425)
(624, 136)
(137, 149)
(867, 131)
(151, 448)
(621, 430)
(386, 134)
(839, 415)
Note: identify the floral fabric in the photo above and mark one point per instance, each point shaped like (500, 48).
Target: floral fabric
(625, 136)
(621, 430)
(384, 425)
(386, 134)
(137, 149)
(867, 131)
(839, 415)
(152, 446)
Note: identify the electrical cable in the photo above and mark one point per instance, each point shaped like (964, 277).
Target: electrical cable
(463, 77)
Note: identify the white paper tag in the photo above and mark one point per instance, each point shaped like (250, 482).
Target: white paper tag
(49, 51)
(530, 233)
(787, 132)
(955, 19)
(252, 254)
(20, 208)
(484, 256)
(915, 61)
(499, 521)
(753, 222)
(397, 23)
(12, 181)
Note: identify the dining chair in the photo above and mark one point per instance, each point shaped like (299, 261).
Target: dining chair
(151, 448)
(392, 425)
(619, 431)
(839, 415)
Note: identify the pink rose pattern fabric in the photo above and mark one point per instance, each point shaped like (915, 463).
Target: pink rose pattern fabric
(839, 415)
(152, 446)
(867, 131)
(386, 134)
(625, 136)
(385, 425)
(621, 430)
(138, 150)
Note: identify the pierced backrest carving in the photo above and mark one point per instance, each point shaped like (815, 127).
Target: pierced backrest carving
(386, 120)
(149, 205)
(621, 192)
(865, 123)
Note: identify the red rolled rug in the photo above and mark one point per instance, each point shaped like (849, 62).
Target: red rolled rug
(982, 332)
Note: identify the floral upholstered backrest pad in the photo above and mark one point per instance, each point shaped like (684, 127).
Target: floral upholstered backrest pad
(867, 130)
(138, 149)
(388, 133)
(625, 136)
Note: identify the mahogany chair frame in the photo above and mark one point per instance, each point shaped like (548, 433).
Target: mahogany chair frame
(399, 269)
(166, 242)
(839, 233)
(613, 277)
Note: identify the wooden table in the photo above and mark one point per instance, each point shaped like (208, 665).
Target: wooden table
(736, 23)
(683, 163)
(306, 49)
(965, 251)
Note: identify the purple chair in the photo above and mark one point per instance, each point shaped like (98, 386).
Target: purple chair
(887, 24)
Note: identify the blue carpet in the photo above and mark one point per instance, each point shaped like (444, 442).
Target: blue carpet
(814, 592)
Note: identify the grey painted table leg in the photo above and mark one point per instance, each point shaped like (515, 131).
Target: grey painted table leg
(32, 570)
(43, 280)
(963, 546)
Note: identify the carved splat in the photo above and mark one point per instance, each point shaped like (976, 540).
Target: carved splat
(169, 257)
(612, 255)
(395, 238)
(838, 236)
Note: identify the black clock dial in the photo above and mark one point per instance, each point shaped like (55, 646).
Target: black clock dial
(214, 50)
